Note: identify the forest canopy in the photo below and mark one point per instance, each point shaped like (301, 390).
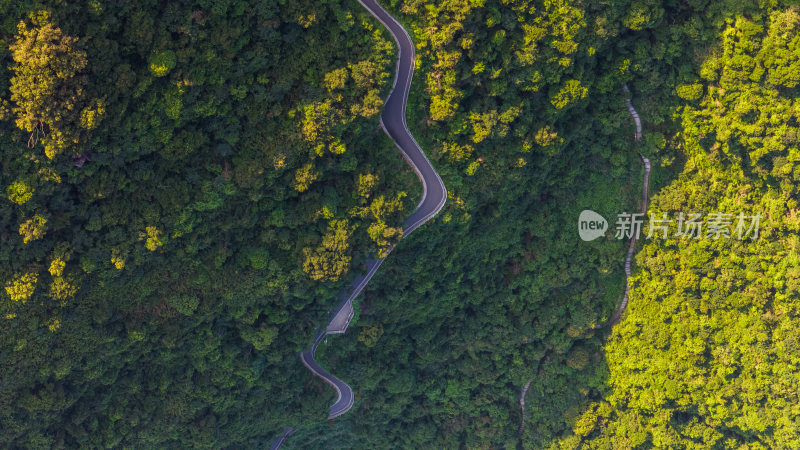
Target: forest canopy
(188, 187)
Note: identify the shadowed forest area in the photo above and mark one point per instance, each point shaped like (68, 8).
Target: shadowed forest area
(188, 187)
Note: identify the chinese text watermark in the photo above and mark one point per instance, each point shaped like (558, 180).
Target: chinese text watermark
(592, 225)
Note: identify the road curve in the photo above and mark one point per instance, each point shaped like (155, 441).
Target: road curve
(393, 122)
(286, 433)
(434, 194)
(344, 399)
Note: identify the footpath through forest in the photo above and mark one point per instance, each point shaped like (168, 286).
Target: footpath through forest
(631, 246)
(643, 206)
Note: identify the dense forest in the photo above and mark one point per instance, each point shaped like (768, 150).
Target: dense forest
(181, 205)
(189, 186)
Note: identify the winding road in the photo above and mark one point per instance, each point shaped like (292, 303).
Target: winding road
(434, 195)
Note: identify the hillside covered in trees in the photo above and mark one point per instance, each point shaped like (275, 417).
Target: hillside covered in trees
(188, 186)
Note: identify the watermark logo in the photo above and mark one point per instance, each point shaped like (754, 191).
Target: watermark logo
(591, 225)
(713, 226)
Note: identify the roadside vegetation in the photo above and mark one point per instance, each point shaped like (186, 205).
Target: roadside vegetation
(186, 189)
(189, 186)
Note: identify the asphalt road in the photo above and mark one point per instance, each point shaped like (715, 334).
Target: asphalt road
(344, 399)
(434, 193)
(393, 121)
(286, 433)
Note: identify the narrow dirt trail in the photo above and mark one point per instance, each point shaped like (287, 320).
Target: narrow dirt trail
(522, 406)
(643, 209)
(631, 246)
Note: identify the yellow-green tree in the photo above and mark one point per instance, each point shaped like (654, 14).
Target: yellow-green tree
(304, 177)
(48, 86)
(369, 335)
(62, 288)
(57, 267)
(367, 183)
(21, 287)
(19, 192)
(153, 236)
(33, 228)
(331, 260)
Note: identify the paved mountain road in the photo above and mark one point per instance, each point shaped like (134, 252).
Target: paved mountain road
(393, 122)
(344, 399)
(286, 433)
(434, 194)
